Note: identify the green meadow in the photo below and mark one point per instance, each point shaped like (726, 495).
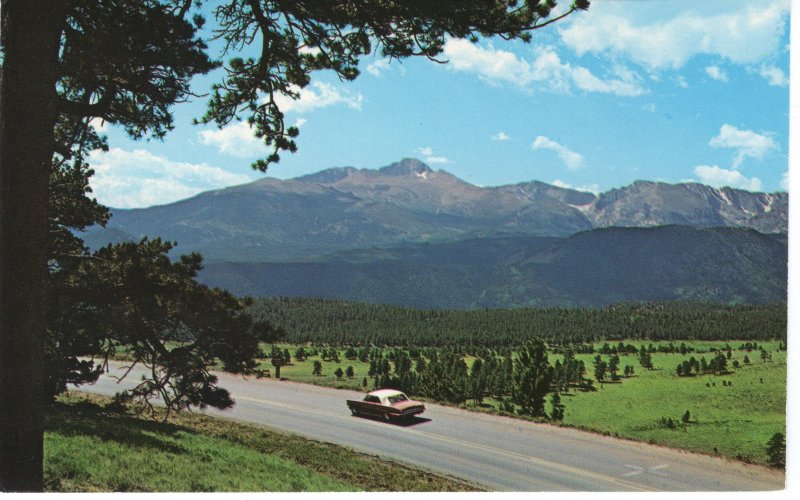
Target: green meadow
(734, 419)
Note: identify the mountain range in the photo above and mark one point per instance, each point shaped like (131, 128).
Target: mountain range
(409, 235)
(273, 220)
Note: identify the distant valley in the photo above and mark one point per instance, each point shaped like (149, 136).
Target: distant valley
(408, 235)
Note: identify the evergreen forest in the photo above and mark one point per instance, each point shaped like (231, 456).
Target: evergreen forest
(342, 323)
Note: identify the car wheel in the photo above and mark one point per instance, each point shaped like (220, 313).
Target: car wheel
(354, 412)
(385, 417)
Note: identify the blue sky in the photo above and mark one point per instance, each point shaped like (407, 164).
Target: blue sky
(657, 90)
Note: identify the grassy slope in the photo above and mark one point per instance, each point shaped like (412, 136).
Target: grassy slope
(738, 420)
(88, 447)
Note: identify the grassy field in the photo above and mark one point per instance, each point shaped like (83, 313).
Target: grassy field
(89, 447)
(733, 420)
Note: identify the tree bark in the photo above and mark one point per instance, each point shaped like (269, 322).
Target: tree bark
(31, 37)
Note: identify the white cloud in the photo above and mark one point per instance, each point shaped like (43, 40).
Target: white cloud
(236, 139)
(717, 73)
(437, 159)
(571, 159)
(501, 66)
(99, 124)
(720, 177)
(627, 83)
(774, 75)
(312, 51)
(430, 158)
(132, 179)
(501, 136)
(377, 68)
(588, 188)
(743, 32)
(785, 180)
(649, 107)
(318, 95)
(748, 144)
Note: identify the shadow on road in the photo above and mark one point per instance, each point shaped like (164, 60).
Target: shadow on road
(406, 422)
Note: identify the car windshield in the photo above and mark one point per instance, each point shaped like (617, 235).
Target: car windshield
(397, 398)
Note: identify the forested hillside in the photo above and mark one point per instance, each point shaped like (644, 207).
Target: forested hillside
(342, 323)
(592, 268)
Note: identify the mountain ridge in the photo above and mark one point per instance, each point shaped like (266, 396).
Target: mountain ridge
(271, 220)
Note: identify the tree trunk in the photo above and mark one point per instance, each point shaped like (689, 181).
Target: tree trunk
(31, 35)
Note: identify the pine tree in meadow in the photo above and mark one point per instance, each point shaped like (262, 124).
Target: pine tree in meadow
(558, 407)
(613, 367)
(776, 450)
(531, 378)
(600, 368)
(644, 358)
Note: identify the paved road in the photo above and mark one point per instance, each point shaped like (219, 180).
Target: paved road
(499, 453)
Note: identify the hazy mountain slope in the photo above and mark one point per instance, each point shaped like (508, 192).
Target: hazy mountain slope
(595, 267)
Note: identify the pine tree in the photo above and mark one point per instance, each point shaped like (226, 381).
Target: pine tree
(558, 408)
(278, 360)
(600, 368)
(645, 359)
(613, 367)
(776, 450)
(531, 378)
